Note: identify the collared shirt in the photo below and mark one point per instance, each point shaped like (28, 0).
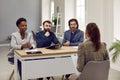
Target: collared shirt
(72, 37)
(17, 42)
(43, 41)
(75, 38)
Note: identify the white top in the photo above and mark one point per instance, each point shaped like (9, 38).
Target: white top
(17, 42)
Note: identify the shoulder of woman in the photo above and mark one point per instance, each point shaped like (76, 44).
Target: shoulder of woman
(104, 44)
(81, 45)
(87, 43)
(15, 33)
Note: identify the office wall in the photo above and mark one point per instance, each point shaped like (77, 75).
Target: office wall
(11, 10)
(45, 10)
(101, 12)
(116, 29)
(106, 14)
(117, 19)
(70, 6)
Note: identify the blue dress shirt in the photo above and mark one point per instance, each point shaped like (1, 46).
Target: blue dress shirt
(74, 38)
(43, 41)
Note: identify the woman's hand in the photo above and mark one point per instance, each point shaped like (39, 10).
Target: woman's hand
(27, 45)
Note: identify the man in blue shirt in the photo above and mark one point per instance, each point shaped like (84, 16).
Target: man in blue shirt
(72, 37)
(45, 38)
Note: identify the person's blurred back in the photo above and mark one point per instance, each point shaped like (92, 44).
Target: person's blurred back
(92, 49)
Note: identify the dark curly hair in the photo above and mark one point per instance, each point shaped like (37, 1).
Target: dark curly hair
(73, 19)
(47, 21)
(20, 20)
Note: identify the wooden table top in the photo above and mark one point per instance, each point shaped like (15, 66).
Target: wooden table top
(48, 52)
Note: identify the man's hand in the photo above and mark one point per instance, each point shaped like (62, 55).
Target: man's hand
(57, 46)
(47, 34)
(67, 43)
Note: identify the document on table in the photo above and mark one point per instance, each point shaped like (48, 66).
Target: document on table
(33, 51)
(75, 47)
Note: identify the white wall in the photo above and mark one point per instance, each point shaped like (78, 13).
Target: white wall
(101, 12)
(11, 10)
(45, 10)
(116, 29)
(69, 11)
(117, 19)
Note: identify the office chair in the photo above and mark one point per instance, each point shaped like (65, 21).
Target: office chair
(95, 70)
(34, 35)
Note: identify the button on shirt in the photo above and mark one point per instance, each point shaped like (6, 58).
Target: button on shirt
(72, 37)
(43, 41)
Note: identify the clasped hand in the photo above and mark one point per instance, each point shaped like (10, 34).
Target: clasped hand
(26, 45)
(47, 34)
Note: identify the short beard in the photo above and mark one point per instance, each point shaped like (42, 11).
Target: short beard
(73, 29)
(46, 30)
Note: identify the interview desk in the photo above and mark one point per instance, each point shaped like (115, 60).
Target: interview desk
(49, 63)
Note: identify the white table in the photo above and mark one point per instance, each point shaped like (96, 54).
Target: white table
(49, 63)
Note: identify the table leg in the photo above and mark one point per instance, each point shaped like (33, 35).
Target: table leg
(16, 68)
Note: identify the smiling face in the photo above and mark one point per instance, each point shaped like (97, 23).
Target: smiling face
(22, 26)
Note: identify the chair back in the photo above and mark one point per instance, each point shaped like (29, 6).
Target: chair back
(34, 35)
(95, 70)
